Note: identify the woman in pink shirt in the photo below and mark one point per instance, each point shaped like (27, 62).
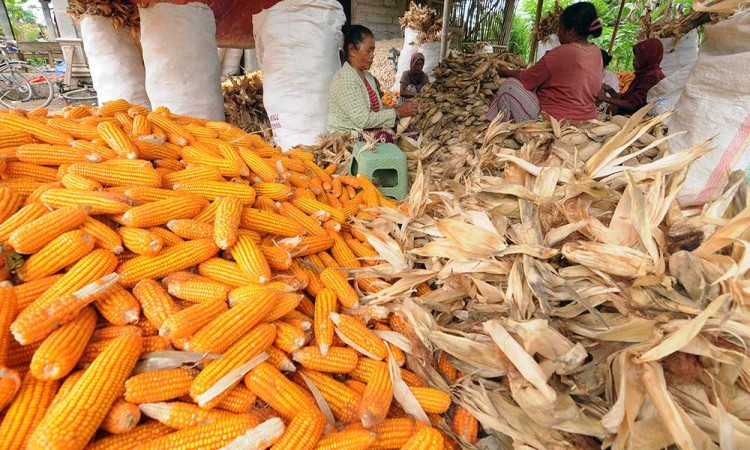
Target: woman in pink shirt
(565, 82)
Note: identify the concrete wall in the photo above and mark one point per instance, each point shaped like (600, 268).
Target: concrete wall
(381, 16)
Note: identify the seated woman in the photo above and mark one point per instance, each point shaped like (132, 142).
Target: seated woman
(355, 104)
(646, 62)
(565, 82)
(413, 80)
(609, 79)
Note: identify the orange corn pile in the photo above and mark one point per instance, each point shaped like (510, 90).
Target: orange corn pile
(126, 232)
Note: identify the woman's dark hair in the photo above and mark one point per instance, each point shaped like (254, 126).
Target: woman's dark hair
(606, 58)
(354, 35)
(582, 18)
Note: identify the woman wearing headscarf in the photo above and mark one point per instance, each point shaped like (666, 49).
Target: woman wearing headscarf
(355, 104)
(414, 79)
(647, 64)
(565, 82)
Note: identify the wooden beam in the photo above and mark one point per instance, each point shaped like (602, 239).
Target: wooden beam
(444, 31)
(508, 15)
(535, 41)
(617, 26)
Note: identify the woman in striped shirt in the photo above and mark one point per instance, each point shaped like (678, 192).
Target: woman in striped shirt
(355, 104)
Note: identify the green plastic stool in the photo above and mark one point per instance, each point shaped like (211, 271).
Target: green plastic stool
(387, 164)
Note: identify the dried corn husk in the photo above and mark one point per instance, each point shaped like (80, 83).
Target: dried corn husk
(585, 308)
(122, 12)
(550, 23)
(243, 103)
(425, 20)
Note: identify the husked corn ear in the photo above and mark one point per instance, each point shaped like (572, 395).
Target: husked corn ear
(55, 155)
(198, 290)
(118, 306)
(159, 385)
(336, 360)
(193, 174)
(228, 218)
(191, 229)
(376, 400)
(117, 140)
(97, 202)
(26, 411)
(303, 431)
(282, 394)
(432, 400)
(140, 241)
(289, 338)
(186, 322)
(73, 181)
(166, 236)
(18, 169)
(23, 216)
(259, 166)
(181, 136)
(278, 258)
(110, 109)
(425, 439)
(342, 399)
(239, 400)
(347, 440)
(172, 259)
(288, 301)
(59, 353)
(213, 435)
(250, 258)
(211, 190)
(182, 416)
(268, 222)
(118, 172)
(336, 281)
(310, 206)
(121, 418)
(62, 251)
(40, 131)
(10, 383)
(162, 211)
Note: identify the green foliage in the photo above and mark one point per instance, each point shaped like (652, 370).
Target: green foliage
(37, 62)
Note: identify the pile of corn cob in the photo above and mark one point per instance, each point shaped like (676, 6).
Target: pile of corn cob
(171, 282)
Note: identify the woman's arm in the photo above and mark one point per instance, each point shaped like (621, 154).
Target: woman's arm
(620, 104)
(508, 73)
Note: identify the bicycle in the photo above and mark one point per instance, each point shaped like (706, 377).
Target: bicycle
(21, 82)
(82, 92)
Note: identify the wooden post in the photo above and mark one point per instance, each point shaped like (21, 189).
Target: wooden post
(535, 41)
(444, 31)
(508, 14)
(5, 27)
(617, 26)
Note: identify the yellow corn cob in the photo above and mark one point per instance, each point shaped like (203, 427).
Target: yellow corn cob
(98, 202)
(447, 369)
(310, 206)
(199, 153)
(311, 225)
(59, 353)
(141, 126)
(125, 121)
(27, 188)
(347, 440)
(121, 418)
(250, 258)
(171, 259)
(186, 322)
(73, 128)
(432, 400)
(342, 399)
(290, 164)
(334, 201)
(344, 255)
(14, 138)
(364, 252)
(193, 174)
(228, 217)
(142, 194)
(275, 191)
(258, 165)
(179, 135)
(325, 304)
(198, 291)
(376, 400)
(289, 338)
(225, 272)
(230, 153)
(18, 169)
(113, 107)
(208, 214)
(128, 441)
(94, 152)
(239, 400)
(172, 165)
(62, 302)
(40, 131)
(307, 245)
(136, 110)
(366, 367)
(465, 426)
(299, 180)
(166, 236)
(356, 386)
(118, 306)
(425, 439)
(73, 421)
(210, 190)
(288, 301)
(278, 258)
(54, 155)
(281, 394)
(108, 332)
(160, 212)
(62, 251)
(230, 326)
(337, 359)
(214, 435)
(118, 172)
(336, 281)
(8, 311)
(279, 360)
(159, 385)
(72, 181)
(157, 305)
(140, 241)
(23, 216)
(10, 203)
(27, 293)
(264, 203)
(251, 345)
(202, 132)
(250, 291)
(268, 222)
(96, 348)
(77, 112)
(303, 431)
(26, 411)
(191, 229)
(117, 140)
(183, 416)
(314, 285)
(10, 384)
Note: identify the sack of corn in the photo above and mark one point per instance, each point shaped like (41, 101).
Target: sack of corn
(173, 282)
(422, 30)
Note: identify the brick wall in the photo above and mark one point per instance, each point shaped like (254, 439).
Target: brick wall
(381, 16)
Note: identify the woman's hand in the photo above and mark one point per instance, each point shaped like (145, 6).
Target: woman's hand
(503, 71)
(407, 109)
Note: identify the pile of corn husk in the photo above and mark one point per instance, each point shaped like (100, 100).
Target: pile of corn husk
(453, 109)
(550, 23)
(675, 27)
(124, 13)
(425, 20)
(243, 103)
(584, 308)
(384, 64)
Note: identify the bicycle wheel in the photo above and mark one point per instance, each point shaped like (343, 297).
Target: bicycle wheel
(80, 95)
(14, 87)
(41, 89)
